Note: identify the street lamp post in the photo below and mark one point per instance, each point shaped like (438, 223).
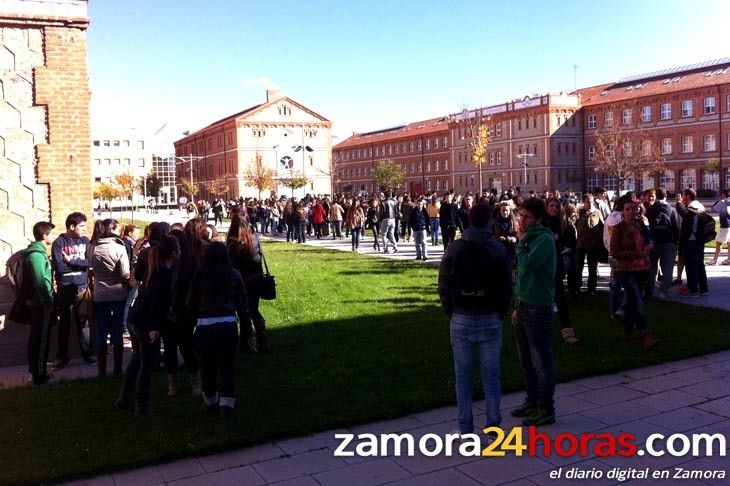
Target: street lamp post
(190, 159)
(524, 163)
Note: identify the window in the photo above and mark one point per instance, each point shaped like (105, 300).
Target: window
(666, 146)
(411, 146)
(628, 149)
(258, 132)
(560, 147)
(710, 179)
(610, 183)
(435, 143)
(97, 162)
(646, 114)
(419, 145)
(687, 145)
(519, 124)
(688, 178)
(626, 117)
(445, 142)
(446, 185)
(437, 185)
(428, 185)
(499, 158)
(592, 182)
(491, 158)
(727, 143)
(127, 162)
(710, 143)
(666, 111)
(96, 143)
(107, 162)
(106, 143)
(686, 108)
(404, 147)
(609, 150)
(140, 162)
(666, 180)
(591, 121)
(140, 144)
(498, 126)
(428, 144)
(390, 150)
(534, 122)
(709, 106)
(115, 143)
(397, 148)
(646, 148)
(413, 167)
(446, 164)
(428, 166)
(284, 110)
(591, 152)
(728, 103)
(608, 119)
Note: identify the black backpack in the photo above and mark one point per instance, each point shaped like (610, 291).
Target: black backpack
(15, 269)
(706, 228)
(661, 227)
(470, 272)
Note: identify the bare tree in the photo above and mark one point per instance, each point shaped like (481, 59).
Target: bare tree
(626, 150)
(476, 129)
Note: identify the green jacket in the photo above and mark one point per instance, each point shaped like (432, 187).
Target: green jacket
(536, 267)
(38, 268)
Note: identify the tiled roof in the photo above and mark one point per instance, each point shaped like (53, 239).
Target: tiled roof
(226, 119)
(423, 127)
(657, 84)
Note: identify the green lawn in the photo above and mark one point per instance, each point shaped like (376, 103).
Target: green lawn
(355, 339)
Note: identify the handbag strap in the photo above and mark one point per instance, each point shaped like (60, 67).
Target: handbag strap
(263, 259)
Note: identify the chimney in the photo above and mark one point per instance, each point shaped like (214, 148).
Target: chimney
(273, 95)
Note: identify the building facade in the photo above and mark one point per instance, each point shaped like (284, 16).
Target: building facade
(45, 169)
(280, 135)
(687, 111)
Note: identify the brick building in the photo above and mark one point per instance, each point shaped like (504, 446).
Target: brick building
(686, 111)
(45, 170)
(282, 134)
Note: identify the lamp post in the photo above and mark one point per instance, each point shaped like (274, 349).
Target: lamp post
(190, 159)
(524, 163)
(304, 149)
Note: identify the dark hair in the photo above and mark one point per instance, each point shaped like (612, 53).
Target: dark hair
(240, 238)
(104, 229)
(479, 215)
(690, 193)
(176, 226)
(216, 273)
(182, 242)
(661, 193)
(159, 231)
(158, 254)
(195, 232)
(98, 231)
(213, 232)
(75, 219)
(726, 192)
(536, 206)
(41, 229)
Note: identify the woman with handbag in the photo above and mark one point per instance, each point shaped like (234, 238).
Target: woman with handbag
(109, 261)
(354, 222)
(244, 250)
(372, 221)
(217, 300)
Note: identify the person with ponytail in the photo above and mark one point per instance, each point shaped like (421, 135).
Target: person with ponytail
(150, 309)
(217, 300)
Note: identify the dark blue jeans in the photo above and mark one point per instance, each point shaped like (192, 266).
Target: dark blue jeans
(109, 320)
(534, 332)
(356, 237)
(633, 283)
(694, 265)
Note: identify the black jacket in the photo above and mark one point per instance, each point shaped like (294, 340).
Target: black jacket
(233, 300)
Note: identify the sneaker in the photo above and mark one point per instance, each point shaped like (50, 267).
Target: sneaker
(539, 417)
(425, 259)
(395, 251)
(524, 410)
(690, 295)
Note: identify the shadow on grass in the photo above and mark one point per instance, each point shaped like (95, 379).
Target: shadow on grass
(322, 375)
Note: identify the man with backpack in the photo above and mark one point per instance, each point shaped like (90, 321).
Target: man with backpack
(475, 288)
(722, 207)
(68, 258)
(664, 226)
(38, 291)
(694, 233)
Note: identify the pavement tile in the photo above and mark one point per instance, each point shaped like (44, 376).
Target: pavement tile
(388, 426)
(420, 464)
(139, 477)
(596, 382)
(619, 413)
(572, 424)
(692, 362)
(668, 400)
(440, 478)
(610, 395)
(380, 471)
(657, 384)
(709, 389)
(241, 457)
(566, 389)
(443, 414)
(721, 406)
(572, 404)
(184, 468)
(684, 419)
(312, 442)
(641, 430)
(238, 475)
(302, 481)
(717, 428)
(497, 470)
(698, 375)
(648, 371)
(304, 464)
(97, 481)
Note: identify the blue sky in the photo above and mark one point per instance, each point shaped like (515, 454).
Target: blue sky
(373, 64)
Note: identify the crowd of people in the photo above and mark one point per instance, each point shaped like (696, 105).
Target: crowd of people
(177, 284)
(175, 288)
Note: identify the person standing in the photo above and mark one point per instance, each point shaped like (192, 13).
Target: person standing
(69, 262)
(390, 214)
(475, 288)
(694, 248)
(417, 223)
(533, 314)
(336, 214)
(434, 208)
(448, 219)
(589, 244)
(355, 222)
(664, 226)
(722, 207)
(39, 290)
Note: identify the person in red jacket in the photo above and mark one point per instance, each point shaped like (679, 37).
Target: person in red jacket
(318, 217)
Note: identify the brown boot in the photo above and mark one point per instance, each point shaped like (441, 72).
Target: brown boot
(171, 384)
(262, 338)
(647, 340)
(118, 350)
(101, 360)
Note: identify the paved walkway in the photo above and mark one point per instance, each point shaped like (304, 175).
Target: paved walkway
(688, 396)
